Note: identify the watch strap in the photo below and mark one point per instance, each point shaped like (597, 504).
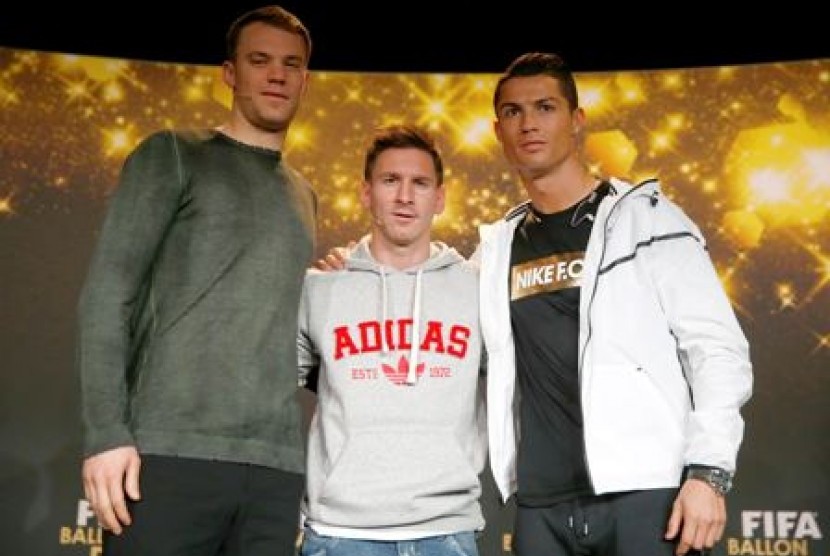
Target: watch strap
(716, 477)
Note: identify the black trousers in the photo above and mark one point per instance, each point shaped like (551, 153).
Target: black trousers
(618, 524)
(192, 507)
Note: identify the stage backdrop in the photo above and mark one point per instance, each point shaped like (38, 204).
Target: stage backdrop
(746, 150)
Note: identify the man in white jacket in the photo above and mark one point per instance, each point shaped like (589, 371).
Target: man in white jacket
(599, 300)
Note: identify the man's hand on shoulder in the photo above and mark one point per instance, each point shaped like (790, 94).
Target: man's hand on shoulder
(335, 259)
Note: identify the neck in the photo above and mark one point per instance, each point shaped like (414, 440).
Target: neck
(398, 257)
(244, 132)
(558, 191)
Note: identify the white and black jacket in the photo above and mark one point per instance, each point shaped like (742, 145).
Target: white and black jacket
(664, 366)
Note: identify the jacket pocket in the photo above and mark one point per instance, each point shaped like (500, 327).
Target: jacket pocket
(628, 421)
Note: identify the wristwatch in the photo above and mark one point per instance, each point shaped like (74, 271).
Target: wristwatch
(719, 479)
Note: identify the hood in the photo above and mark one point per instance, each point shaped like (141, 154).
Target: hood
(441, 256)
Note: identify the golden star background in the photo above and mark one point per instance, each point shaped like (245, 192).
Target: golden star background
(745, 150)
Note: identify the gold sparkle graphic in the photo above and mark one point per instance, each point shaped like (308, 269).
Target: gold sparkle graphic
(744, 150)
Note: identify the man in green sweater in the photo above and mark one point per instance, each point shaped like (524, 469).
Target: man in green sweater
(188, 319)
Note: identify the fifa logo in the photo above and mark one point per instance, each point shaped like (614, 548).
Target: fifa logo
(86, 531)
(84, 514)
(775, 532)
(780, 524)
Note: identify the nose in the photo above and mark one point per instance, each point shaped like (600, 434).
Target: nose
(529, 121)
(276, 72)
(404, 193)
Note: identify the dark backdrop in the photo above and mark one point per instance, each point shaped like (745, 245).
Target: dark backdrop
(438, 36)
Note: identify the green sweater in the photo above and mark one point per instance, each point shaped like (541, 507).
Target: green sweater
(188, 317)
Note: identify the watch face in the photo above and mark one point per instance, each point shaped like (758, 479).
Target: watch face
(718, 479)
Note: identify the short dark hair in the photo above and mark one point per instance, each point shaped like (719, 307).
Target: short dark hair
(402, 137)
(275, 16)
(540, 63)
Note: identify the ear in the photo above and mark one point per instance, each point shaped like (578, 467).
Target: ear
(497, 129)
(578, 120)
(306, 78)
(365, 195)
(229, 74)
(440, 198)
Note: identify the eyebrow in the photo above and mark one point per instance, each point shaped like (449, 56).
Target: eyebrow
(263, 54)
(396, 174)
(531, 102)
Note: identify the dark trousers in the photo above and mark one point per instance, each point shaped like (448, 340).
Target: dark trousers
(619, 524)
(192, 507)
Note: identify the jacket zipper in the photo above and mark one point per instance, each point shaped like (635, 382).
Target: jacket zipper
(588, 321)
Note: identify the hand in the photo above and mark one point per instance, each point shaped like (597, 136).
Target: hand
(335, 259)
(107, 476)
(701, 512)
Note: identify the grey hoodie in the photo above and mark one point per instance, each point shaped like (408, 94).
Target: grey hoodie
(396, 444)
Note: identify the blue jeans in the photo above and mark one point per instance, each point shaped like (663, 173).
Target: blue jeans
(459, 544)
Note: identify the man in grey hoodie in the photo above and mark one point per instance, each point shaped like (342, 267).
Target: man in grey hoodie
(393, 346)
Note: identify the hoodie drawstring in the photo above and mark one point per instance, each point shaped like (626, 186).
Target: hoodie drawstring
(412, 373)
(384, 301)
